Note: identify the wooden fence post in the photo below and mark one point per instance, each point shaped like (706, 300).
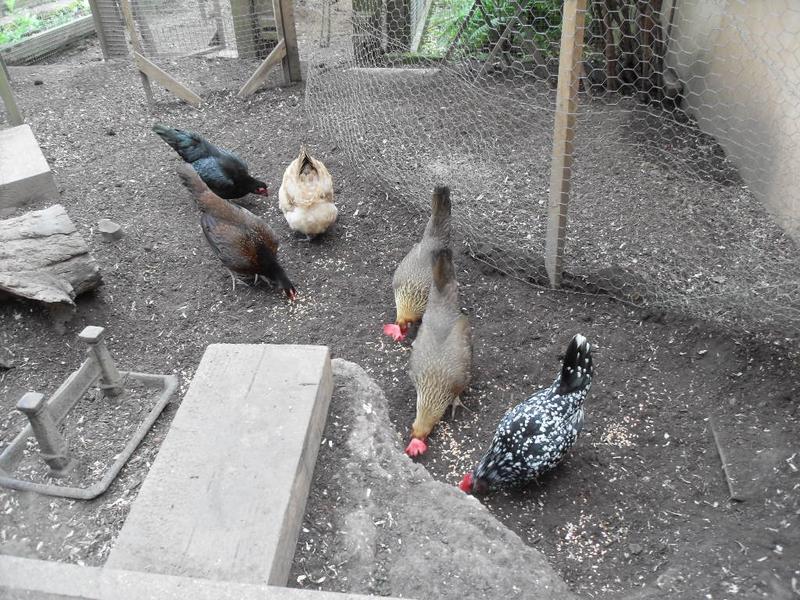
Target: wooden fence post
(109, 27)
(284, 19)
(13, 114)
(563, 136)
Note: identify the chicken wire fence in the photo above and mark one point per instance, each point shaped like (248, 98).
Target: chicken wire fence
(680, 159)
(209, 45)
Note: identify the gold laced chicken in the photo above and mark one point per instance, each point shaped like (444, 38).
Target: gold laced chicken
(412, 278)
(441, 357)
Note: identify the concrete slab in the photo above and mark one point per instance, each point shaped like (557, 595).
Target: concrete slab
(25, 175)
(226, 495)
(27, 579)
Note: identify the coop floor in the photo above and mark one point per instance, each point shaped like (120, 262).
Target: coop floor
(641, 497)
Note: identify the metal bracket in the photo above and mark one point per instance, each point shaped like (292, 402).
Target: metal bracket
(45, 415)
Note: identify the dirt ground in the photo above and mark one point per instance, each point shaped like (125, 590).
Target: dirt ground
(641, 499)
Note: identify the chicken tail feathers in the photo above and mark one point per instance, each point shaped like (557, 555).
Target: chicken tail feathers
(306, 164)
(443, 270)
(188, 145)
(440, 212)
(577, 370)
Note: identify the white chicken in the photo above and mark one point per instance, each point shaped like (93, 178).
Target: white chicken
(306, 196)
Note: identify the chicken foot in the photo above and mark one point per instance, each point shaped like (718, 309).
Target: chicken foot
(457, 402)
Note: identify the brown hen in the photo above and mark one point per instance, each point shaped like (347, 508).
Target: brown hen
(244, 243)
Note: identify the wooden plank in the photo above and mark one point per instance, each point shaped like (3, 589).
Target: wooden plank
(507, 33)
(25, 175)
(30, 579)
(226, 494)
(284, 21)
(419, 26)
(41, 44)
(13, 114)
(153, 71)
(260, 74)
(108, 24)
(563, 136)
(130, 25)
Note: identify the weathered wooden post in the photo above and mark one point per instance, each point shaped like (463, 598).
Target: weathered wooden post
(250, 18)
(285, 51)
(13, 114)
(284, 21)
(563, 136)
(110, 28)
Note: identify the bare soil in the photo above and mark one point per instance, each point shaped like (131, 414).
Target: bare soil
(641, 499)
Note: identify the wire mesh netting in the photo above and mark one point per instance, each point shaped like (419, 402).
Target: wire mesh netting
(33, 31)
(683, 150)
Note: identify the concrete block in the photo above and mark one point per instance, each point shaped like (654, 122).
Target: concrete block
(225, 498)
(25, 175)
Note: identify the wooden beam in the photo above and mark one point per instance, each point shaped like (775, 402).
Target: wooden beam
(108, 23)
(33, 579)
(127, 13)
(153, 71)
(284, 22)
(461, 30)
(563, 136)
(13, 113)
(419, 30)
(260, 74)
(507, 33)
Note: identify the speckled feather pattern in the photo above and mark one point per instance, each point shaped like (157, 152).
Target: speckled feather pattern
(535, 435)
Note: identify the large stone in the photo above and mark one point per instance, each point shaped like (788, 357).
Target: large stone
(44, 258)
(400, 532)
(25, 175)
(226, 495)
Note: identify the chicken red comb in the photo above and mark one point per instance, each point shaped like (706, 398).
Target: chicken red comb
(416, 447)
(466, 483)
(394, 331)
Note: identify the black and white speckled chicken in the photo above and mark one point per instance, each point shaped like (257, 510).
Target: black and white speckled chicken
(535, 435)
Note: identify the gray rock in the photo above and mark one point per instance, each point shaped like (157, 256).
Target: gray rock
(433, 540)
(109, 230)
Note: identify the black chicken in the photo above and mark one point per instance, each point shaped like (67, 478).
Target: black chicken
(222, 171)
(244, 243)
(535, 435)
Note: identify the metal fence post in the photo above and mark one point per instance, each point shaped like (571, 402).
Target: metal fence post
(53, 447)
(563, 136)
(112, 380)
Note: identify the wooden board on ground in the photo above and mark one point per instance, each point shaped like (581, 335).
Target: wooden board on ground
(28, 579)
(752, 448)
(44, 258)
(25, 175)
(226, 495)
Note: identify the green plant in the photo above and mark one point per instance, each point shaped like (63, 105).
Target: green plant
(10, 5)
(27, 24)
